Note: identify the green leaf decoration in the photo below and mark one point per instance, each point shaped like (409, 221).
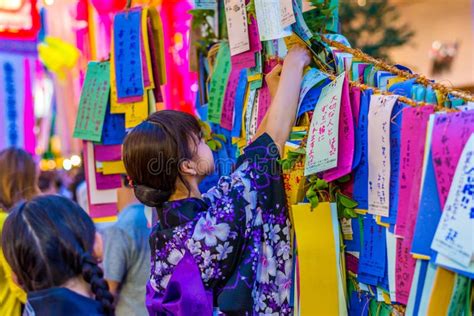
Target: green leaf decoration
(344, 179)
(346, 201)
(321, 184)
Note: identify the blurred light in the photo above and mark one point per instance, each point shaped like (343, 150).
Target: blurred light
(43, 165)
(67, 164)
(436, 45)
(51, 164)
(361, 3)
(194, 87)
(49, 2)
(75, 160)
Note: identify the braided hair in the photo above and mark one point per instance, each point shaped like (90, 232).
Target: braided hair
(48, 241)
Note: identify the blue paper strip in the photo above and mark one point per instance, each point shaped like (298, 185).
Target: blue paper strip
(361, 172)
(128, 65)
(113, 131)
(239, 103)
(372, 259)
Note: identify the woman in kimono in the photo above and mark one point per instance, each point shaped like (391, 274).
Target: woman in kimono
(227, 250)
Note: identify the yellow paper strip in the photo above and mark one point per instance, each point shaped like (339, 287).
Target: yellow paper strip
(107, 219)
(113, 167)
(319, 288)
(147, 48)
(441, 292)
(360, 211)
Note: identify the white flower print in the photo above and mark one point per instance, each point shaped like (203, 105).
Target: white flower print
(208, 274)
(283, 281)
(260, 303)
(268, 312)
(175, 256)
(179, 231)
(193, 246)
(284, 250)
(207, 258)
(207, 229)
(165, 280)
(160, 266)
(273, 234)
(224, 250)
(267, 265)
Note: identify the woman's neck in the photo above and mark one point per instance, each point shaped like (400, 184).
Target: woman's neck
(79, 286)
(183, 192)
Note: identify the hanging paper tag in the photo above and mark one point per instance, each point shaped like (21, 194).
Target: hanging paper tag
(269, 20)
(93, 102)
(227, 117)
(450, 132)
(454, 235)
(286, 11)
(128, 65)
(236, 17)
(300, 26)
(321, 152)
(379, 153)
(205, 4)
(413, 136)
(219, 79)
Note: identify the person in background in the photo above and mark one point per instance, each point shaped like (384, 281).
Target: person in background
(49, 182)
(18, 181)
(54, 250)
(127, 254)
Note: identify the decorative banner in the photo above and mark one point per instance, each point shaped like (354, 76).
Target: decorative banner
(19, 19)
(321, 153)
(12, 100)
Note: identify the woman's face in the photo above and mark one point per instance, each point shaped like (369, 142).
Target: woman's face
(204, 160)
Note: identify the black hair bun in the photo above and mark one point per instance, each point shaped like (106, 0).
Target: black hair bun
(150, 196)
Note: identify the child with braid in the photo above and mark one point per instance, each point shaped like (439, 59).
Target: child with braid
(53, 249)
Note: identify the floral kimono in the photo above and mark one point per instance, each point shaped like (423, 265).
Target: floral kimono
(231, 250)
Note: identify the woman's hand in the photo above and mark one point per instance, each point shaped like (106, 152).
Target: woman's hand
(273, 80)
(298, 56)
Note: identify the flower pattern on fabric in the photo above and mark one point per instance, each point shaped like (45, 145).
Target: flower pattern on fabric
(238, 234)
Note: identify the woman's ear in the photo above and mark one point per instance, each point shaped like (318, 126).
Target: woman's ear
(98, 250)
(188, 168)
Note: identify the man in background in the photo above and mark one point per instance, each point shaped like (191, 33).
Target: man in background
(127, 255)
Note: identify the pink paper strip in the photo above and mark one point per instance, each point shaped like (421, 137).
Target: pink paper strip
(355, 103)
(264, 101)
(106, 182)
(412, 148)
(247, 59)
(404, 271)
(345, 154)
(102, 210)
(97, 210)
(227, 117)
(130, 99)
(28, 114)
(107, 152)
(450, 133)
(352, 263)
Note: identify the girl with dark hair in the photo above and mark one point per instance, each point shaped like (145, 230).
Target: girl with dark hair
(53, 249)
(18, 181)
(228, 249)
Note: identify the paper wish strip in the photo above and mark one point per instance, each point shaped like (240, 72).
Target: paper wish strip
(237, 29)
(379, 153)
(454, 235)
(93, 102)
(286, 12)
(322, 148)
(269, 20)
